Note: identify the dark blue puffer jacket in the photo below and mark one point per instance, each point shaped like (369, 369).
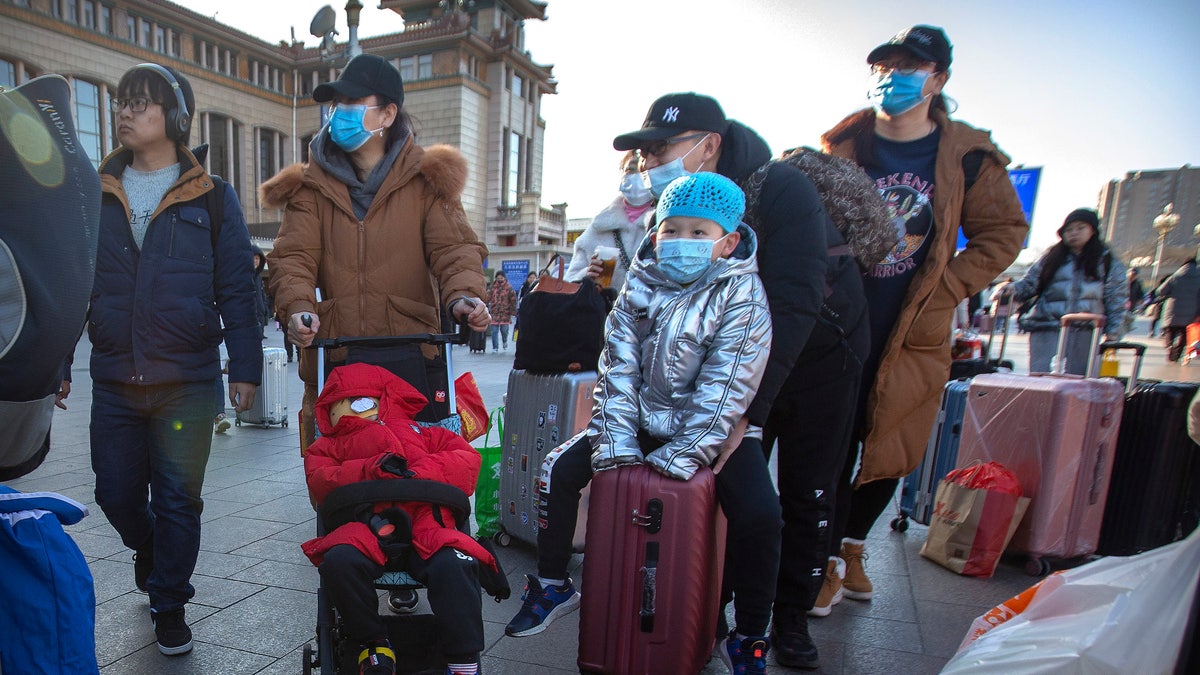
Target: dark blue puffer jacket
(156, 313)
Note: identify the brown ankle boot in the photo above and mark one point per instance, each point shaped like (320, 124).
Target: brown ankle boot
(831, 589)
(856, 585)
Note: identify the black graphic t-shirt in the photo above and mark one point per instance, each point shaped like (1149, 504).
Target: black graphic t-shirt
(903, 174)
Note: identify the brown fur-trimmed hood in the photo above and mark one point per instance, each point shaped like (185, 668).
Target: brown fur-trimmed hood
(443, 167)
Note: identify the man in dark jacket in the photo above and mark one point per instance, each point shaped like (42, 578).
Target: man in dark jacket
(167, 278)
(818, 313)
(1180, 295)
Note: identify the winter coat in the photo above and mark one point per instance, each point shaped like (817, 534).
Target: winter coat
(388, 274)
(351, 451)
(794, 235)
(1071, 291)
(48, 617)
(612, 220)
(1180, 304)
(915, 362)
(501, 301)
(680, 363)
(157, 312)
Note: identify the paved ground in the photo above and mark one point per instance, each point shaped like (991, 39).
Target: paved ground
(255, 592)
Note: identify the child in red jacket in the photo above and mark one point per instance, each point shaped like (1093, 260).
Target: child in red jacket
(365, 415)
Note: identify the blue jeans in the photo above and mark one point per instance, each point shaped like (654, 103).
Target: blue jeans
(154, 439)
(498, 330)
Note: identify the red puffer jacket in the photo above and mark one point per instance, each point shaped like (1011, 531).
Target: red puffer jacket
(351, 451)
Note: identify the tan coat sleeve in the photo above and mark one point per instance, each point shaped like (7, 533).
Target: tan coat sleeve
(454, 253)
(296, 256)
(994, 225)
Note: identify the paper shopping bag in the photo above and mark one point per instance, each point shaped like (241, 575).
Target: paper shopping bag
(976, 511)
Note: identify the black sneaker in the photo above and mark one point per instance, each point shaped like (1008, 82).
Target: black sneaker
(403, 600)
(790, 640)
(143, 565)
(174, 636)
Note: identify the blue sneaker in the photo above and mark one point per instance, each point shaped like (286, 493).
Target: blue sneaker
(747, 656)
(541, 606)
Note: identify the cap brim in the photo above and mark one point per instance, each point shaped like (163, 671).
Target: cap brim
(884, 51)
(636, 139)
(326, 92)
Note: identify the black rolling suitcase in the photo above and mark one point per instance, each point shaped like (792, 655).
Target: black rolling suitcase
(1154, 496)
(477, 341)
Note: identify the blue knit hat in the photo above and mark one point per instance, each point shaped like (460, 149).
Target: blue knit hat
(704, 195)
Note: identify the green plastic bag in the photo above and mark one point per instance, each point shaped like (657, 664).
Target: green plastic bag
(487, 489)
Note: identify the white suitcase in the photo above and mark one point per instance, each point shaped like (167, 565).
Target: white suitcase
(270, 399)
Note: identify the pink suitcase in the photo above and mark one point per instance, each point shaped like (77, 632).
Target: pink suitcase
(1058, 434)
(652, 573)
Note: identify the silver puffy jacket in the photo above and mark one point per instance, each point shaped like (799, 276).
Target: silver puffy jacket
(682, 364)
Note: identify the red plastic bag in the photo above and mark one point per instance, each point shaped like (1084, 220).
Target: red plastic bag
(470, 406)
(976, 511)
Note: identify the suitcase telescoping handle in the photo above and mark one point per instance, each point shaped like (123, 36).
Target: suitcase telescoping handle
(1011, 299)
(1097, 321)
(1139, 351)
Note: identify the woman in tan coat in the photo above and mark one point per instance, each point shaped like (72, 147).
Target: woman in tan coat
(373, 221)
(908, 144)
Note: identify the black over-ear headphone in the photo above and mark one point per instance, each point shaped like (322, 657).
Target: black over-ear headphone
(178, 121)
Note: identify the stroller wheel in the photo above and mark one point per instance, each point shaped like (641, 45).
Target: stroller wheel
(403, 601)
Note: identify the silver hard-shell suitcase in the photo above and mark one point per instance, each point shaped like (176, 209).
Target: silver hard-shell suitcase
(270, 399)
(543, 412)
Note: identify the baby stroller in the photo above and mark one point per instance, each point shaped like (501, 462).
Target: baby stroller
(414, 637)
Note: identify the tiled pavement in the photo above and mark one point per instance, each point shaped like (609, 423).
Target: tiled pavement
(255, 592)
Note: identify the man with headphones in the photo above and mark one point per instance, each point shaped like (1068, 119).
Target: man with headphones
(170, 285)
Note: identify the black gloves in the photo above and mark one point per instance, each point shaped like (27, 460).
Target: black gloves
(396, 465)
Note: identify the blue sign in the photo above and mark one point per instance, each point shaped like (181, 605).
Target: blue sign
(1025, 182)
(515, 270)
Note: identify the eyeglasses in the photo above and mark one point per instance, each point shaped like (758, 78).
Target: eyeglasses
(659, 147)
(333, 107)
(137, 104)
(902, 67)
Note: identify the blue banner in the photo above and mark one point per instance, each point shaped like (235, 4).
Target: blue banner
(1025, 182)
(515, 270)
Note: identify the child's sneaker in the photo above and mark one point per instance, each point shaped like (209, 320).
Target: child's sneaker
(747, 656)
(540, 607)
(174, 636)
(220, 423)
(377, 658)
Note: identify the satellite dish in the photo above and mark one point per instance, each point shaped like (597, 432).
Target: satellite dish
(323, 23)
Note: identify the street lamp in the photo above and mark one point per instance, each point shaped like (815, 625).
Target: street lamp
(1163, 224)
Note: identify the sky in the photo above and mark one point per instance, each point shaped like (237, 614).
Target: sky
(1088, 90)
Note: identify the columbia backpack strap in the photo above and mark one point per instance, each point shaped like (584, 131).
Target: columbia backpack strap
(972, 162)
(214, 203)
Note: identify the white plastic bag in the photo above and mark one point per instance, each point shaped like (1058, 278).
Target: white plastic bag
(1114, 615)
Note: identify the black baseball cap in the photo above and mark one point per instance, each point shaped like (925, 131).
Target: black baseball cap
(366, 74)
(672, 114)
(928, 43)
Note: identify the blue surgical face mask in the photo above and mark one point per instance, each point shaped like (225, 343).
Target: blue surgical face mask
(896, 93)
(684, 260)
(657, 179)
(634, 190)
(346, 126)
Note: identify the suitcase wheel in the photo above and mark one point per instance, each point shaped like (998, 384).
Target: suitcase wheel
(1037, 567)
(502, 538)
(284, 423)
(237, 422)
(900, 524)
